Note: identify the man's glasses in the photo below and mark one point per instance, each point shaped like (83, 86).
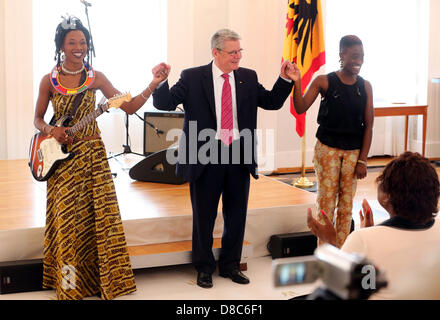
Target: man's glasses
(233, 52)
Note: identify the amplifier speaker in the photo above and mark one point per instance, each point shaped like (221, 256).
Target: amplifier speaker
(295, 244)
(156, 168)
(292, 245)
(157, 125)
(21, 276)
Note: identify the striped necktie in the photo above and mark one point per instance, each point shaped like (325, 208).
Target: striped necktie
(226, 132)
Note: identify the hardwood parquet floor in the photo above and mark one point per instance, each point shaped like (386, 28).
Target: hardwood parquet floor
(366, 188)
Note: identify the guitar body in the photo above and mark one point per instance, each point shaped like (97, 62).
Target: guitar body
(46, 154)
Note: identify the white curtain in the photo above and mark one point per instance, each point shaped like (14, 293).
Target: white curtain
(130, 38)
(395, 37)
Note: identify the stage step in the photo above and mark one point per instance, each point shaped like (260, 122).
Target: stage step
(173, 253)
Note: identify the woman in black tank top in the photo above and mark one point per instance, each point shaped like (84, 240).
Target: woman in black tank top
(344, 134)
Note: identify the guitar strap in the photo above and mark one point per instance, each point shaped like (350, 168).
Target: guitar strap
(76, 102)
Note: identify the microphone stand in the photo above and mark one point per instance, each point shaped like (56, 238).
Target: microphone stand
(157, 130)
(92, 46)
(126, 146)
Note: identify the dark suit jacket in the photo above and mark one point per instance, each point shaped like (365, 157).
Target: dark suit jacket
(195, 91)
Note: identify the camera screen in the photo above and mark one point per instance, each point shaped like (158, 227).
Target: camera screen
(292, 273)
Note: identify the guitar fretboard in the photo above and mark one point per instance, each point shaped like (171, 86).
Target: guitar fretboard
(87, 119)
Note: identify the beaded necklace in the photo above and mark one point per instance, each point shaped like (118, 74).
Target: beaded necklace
(71, 72)
(55, 80)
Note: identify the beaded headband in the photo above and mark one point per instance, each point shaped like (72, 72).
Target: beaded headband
(69, 22)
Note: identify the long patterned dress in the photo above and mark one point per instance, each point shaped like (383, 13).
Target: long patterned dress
(85, 251)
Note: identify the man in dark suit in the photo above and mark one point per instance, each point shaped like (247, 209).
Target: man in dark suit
(217, 149)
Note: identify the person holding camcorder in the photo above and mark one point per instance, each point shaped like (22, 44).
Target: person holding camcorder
(405, 246)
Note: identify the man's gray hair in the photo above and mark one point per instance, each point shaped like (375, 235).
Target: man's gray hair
(219, 38)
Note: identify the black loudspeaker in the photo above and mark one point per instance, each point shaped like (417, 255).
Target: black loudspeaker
(157, 125)
(156, 168)
(292, 245)
(21, 276)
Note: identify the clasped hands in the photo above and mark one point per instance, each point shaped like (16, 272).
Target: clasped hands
(290, 71)
(161, 72)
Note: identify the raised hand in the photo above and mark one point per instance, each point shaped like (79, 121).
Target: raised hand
(367, 217)
(161, 72)
(325, 232)
(290, 71)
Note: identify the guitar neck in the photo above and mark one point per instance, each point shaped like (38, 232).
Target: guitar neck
(87, 119)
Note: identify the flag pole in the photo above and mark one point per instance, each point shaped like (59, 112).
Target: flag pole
(303, 182)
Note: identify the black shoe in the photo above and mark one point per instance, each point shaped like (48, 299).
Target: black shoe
(236, 276)
(204, 280)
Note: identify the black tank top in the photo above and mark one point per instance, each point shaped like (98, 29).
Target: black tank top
(341, 114)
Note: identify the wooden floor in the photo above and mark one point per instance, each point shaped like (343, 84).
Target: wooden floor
(367, 187)
(178, 246)
(22, 199)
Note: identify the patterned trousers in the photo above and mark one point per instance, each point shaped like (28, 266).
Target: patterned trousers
(334, 170)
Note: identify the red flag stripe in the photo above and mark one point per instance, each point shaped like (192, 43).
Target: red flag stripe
(316, 64)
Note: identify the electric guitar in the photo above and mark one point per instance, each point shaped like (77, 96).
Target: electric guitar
(46, 153)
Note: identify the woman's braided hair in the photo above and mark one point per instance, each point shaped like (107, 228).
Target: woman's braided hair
(69, 24)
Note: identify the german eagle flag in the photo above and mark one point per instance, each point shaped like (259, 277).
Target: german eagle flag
(304, 45)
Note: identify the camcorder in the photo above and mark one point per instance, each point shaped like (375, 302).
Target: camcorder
(344, 275)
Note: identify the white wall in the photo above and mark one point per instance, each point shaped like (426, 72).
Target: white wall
(433, 130)
(260, 24)
(190, 26)
(2, 83)
(434, 36)
(18, 111)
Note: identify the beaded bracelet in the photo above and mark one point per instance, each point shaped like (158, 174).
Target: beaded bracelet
(151, 92)
(142, 95)
(363, 162)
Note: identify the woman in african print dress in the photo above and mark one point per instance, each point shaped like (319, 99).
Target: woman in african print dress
(85, 251)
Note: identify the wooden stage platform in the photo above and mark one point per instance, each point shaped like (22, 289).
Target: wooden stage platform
(152, 213)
